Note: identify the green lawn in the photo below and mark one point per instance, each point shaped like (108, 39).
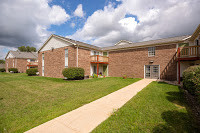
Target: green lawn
(157, 108)
(26, 102)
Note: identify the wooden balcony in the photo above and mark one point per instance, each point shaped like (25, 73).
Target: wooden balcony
(99, 59)
(32, 63)
(189, 53)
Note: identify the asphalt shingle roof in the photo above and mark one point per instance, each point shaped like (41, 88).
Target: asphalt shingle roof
(80, 43)
(26, 55)
(146, 43)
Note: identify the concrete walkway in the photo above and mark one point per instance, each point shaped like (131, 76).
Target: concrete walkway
(89, 116)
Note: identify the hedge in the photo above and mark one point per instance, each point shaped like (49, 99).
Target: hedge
(73, 73)
(2, 69)
(14, 70)
(191, 80)
(32, 71)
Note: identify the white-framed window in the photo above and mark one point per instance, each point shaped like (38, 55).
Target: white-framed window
(66, 58)
(151, 51)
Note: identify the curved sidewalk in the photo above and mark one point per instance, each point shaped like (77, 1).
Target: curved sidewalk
(84, 119)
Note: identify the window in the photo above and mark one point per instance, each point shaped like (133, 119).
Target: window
(96, 53)
(66, 58)
(105, 53)
(151, 51)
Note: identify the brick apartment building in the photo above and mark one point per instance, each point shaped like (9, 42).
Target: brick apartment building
(161, 59)
(21, 60)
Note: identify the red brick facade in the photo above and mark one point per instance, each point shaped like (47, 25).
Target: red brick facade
(54, 61)
(84, 60)
(20, 64)
(131, 62)
(128, 62)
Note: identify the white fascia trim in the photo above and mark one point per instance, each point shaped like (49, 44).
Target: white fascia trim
(56, 37)
(186, 38)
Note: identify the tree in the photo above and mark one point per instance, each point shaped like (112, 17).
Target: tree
(22, 49)
(2, 61)
(33, 49)
(27, 49)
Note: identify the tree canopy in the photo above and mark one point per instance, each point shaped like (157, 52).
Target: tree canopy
(2, 61)
(27, 49)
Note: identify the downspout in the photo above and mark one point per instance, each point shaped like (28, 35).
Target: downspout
(77, 56)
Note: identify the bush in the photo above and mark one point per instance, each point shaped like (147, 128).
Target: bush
(14, 70)
(2, 69)
(95, 76)
(73, 73)
(191, 80)
(32, 71)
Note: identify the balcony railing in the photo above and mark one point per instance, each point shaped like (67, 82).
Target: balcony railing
(99, 59)
(189, 52)
(32, 63)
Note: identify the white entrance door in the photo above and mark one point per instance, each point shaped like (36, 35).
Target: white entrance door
(152, 71)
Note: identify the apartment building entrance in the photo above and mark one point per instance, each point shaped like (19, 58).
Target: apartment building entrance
(152, 71)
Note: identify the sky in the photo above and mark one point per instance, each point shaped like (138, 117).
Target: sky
(97, 22)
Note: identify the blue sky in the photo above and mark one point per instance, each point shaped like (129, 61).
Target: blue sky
(97, 22)
(89, 7)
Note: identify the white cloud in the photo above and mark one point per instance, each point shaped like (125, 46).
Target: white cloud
(25, 22)
(4, 51)
(157, 19)
(72, 25)
(58, 15)
(79, 11)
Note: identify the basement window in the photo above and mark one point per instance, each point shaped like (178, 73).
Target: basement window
(151, 51)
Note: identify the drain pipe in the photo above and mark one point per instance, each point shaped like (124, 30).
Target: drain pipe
(77, 56)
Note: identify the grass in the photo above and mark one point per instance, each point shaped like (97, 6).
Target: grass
(26, 102)
(159, 107)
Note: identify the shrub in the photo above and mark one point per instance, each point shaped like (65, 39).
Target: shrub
(2, 69)
(14, 70)
(73, 73)
(95, 76)
(191, 80)
(32, 71)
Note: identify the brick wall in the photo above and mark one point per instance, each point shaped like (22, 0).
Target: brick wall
(84, 60)
(54, 61)
(9, 63)
(131, 62)
(20, 64)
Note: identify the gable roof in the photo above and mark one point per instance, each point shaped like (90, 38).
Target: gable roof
(148, 43)
(72, 42)
(195, 34)
(23, 55)
(124, 46)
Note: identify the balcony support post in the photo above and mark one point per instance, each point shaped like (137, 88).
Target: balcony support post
(97, 68)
